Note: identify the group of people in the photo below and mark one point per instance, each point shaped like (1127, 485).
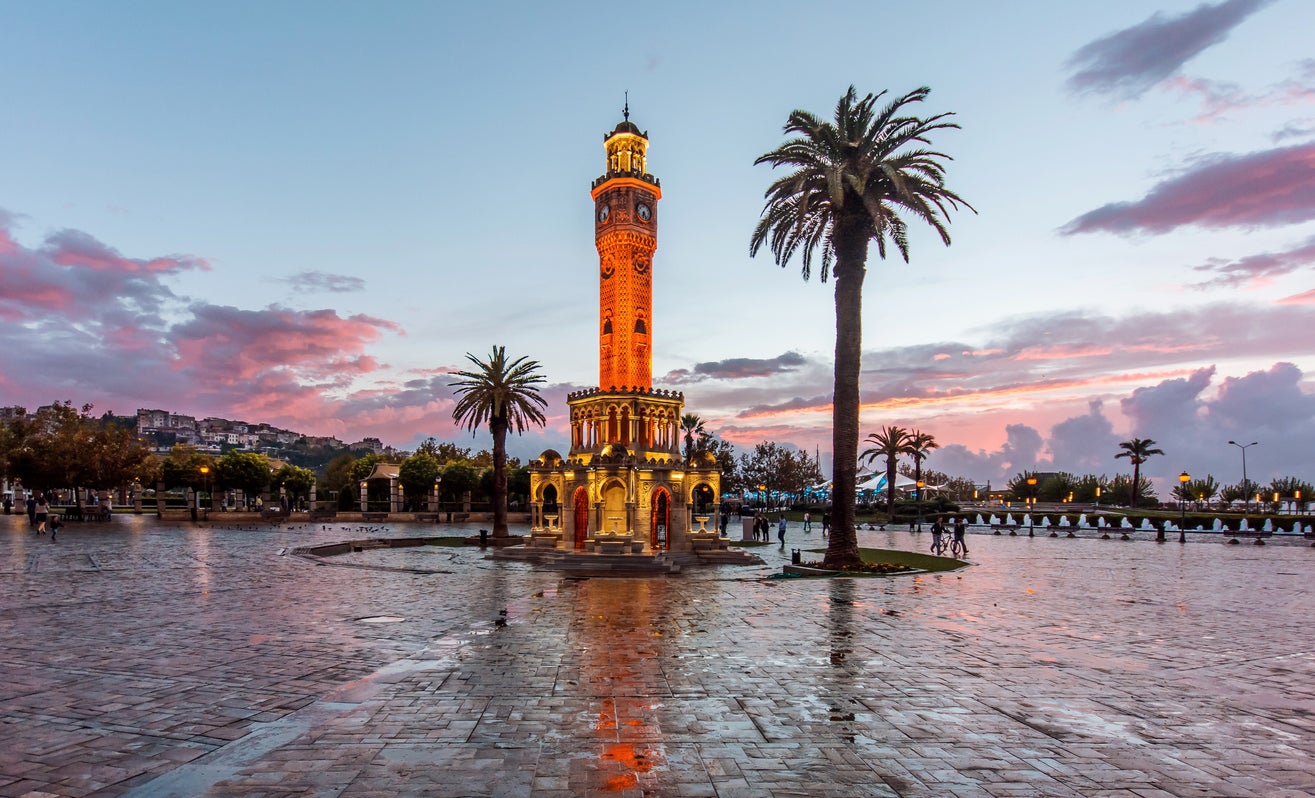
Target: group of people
(958, 544)
(762, 529)
(39, 517)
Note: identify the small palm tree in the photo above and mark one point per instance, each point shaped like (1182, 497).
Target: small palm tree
(852, 182)
(1138, 451)
(890, 443)
(502, 395)
(692, 425)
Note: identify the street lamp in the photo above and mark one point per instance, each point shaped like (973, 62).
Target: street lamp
(1183, 479)
(205, 474)
(1098, 497)
(919, 485)
(1246, 486)
(1031, 499)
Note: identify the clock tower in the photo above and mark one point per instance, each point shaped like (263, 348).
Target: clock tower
(625, 232)
(623, 486)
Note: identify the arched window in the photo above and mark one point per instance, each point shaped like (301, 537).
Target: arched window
(641, 327)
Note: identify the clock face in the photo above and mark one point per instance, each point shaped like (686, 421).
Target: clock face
(603, 211)
(644, 212)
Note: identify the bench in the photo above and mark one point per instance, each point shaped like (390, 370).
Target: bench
(374, 516)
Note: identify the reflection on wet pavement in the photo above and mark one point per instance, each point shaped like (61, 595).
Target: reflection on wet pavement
(151, 661)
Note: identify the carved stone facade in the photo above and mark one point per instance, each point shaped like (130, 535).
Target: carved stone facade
(623, 487)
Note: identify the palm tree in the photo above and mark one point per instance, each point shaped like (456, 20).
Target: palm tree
(890, 443)
(1137, 450)
(920, 445)
(849, 184)
(503, 395)
(692, 425)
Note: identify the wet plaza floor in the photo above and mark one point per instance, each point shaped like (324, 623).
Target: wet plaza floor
(146, 660)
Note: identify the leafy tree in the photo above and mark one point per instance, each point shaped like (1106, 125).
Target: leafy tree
(1196, 490)
(443, 452)
(852, 182)
(1019, 488)
(1138, 451)
(182, 468)
(731, 481)
(889, 443)
(1241, 492)
(1121, 485)
(363, 465)
(458, 479)
(338, 474)
(418, 474)
(297, 481)
(1058, 487)
(1085, 491)
(1289, 487)
(249, 472)
(503, 395)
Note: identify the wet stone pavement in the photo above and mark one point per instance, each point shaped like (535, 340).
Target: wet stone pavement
(145, 660)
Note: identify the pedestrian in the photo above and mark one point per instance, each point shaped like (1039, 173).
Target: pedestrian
(9, 505)
(959, 546)
(937, 531)
(32, 512)
(42, 511)
(780, 530)
(760, 527)
(725, 519)
(826, 524)
(808, 521)
(54, 527)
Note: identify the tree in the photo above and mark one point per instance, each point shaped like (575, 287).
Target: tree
(731, 482)
(920, 445)
(502, 395)
(458, 479)
(852, 182)
(691, 425)
(1138, 451)
(890, 443)
(418, 473)
(297, 481)
(1197, 490)
(1290, 488)
(247, 471)
(182, 467)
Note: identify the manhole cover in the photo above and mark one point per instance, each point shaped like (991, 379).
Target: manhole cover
(382, 619)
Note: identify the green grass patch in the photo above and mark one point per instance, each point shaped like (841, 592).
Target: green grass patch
(911, 560)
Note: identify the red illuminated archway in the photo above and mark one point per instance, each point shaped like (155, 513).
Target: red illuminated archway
(662, 518)
(581, 517)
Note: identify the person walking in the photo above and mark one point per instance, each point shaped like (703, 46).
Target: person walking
(780, 530)
(826, 524)
(32, 512)
(725, 519)
(42, 512)
(808, 521)
(959, 545)
(937, 533)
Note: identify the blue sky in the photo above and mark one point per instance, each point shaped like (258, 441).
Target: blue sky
(306, 213)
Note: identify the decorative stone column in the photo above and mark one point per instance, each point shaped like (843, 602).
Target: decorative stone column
(365, 504)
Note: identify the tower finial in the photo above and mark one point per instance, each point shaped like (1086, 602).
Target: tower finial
(626, 112)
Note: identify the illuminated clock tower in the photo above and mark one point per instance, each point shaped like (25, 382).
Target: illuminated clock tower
(625, 232)
(624, 486)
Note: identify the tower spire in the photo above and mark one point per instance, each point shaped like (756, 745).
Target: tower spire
(626, 111)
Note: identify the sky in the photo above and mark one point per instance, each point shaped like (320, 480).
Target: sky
(310, 213)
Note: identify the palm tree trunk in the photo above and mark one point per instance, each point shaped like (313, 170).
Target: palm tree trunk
(1136, 483)
(851, 253)
(890, 487)
(498, 426)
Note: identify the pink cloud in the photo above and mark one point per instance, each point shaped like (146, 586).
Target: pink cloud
(1304, 298)
(1258, 269)
(1259, 189)
(76, 248)
(1130, 61)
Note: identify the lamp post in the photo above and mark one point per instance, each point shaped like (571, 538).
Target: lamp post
(1246, 486)
(205, 474)
(1098, 497)
(1183, 479)
(1031, 499)
(1296, 498)
(919, 485)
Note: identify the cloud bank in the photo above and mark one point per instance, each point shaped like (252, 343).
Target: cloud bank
(1128, 62)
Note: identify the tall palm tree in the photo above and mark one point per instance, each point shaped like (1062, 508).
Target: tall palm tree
(890, 443)
(692, 425)
(1137, 450)
(851, 182)
(501, 394)
(920, 445)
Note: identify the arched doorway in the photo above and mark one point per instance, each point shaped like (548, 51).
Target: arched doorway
(660, 528)
(551, 512)
(581, 517)
(614, 508)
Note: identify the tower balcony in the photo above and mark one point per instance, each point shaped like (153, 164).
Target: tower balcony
(633, 175)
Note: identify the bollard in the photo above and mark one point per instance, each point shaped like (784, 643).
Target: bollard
(483, 538)
(794, 556)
